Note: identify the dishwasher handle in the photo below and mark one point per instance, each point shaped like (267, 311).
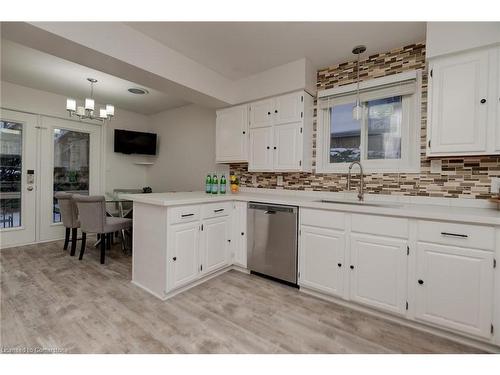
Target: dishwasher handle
(271, 208)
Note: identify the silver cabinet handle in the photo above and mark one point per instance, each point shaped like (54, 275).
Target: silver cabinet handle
(454, 235)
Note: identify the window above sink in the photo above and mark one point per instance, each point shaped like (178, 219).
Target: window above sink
(386, 139)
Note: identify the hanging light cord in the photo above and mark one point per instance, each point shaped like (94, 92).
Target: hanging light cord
(357, 90)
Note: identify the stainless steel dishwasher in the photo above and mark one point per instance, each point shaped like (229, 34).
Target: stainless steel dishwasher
(272, 241)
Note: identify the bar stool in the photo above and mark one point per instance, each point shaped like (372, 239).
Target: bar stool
(93, 219)
(69, 217)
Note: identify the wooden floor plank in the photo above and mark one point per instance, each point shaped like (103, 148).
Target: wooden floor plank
(52, 300)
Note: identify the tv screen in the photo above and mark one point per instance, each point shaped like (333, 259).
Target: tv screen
(129, 142)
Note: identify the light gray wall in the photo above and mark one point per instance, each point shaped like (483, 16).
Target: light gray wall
(186, 151)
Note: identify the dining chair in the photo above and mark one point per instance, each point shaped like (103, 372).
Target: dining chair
(93, 219)
(69, 218)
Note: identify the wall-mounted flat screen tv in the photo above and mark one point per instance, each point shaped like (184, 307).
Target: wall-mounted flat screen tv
(130, 142)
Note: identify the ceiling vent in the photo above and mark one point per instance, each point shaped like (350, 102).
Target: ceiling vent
(138, 91)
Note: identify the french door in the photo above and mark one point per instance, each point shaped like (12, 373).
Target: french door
(71, 163)
(18, 149)
(41, 156)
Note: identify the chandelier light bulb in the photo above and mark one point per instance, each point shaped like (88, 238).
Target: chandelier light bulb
(71, 105)
(89, 104)
(102, 113)
(110, 110)
(80, 111)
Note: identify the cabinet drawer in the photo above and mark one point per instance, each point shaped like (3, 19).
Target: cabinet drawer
(183, 214)
(322, 218)
(464, 235)
(380, 225)
(215, 209)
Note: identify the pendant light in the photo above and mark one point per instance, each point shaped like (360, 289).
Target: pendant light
(88, 109)
(357, 110)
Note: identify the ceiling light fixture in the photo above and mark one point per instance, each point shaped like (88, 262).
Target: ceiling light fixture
(86, 112)
(138, 91)
(357, 110)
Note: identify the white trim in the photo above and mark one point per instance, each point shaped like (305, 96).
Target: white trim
(410, 142)
(375, 82)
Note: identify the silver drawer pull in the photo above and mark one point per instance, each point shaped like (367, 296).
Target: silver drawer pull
(454, 234)
(187, 215)
(219, 210)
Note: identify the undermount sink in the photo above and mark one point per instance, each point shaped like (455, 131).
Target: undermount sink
(362, 203)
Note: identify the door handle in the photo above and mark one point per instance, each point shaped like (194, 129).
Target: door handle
(219, 210)
(270, 212)
(29, 188)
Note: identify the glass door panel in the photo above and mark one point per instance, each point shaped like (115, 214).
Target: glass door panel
(71, 165)
(17, 178)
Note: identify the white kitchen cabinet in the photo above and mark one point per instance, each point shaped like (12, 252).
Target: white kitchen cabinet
(497, 100)
(262, 113)
(321, 259)
(232, 135)
(378, 268)
(239, 231)
(261, 151)
(289, 108)
(461, 118)
(184, 240)
(281, 134)
(454, 287)
(215, 243)
(287, 148)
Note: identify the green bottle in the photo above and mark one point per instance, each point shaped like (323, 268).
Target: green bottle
(223, 184)
(215, 184)
(208, 184)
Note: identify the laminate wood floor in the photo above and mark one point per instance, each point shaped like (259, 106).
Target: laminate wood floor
(52, 300)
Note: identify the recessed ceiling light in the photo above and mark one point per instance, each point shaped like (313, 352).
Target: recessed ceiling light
(138, 91)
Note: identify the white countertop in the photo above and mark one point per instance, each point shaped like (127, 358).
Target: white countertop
(452, 209)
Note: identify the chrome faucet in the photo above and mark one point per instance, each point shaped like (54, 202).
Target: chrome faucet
(361, 177)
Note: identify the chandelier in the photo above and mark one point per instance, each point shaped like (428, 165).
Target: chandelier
(86, 112)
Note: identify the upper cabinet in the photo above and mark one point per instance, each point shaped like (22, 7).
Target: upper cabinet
(273, 135)
(281, 134)
(463, 104)
(232, 134)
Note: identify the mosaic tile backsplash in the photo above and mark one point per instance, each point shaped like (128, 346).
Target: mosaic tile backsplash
(463, 177)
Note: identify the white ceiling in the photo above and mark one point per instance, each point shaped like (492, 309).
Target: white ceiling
(32, 68)
(239, 49)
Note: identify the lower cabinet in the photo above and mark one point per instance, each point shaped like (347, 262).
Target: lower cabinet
(197, 248)
(321, 262)
(454, 287)
(183, 254)
(215, 240)
(239, 234)
(378, 269)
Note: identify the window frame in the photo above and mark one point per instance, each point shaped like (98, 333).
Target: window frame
(410, 127)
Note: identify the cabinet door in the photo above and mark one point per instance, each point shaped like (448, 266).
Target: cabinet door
(454, 287)
(287, 147)
(378, 272)
(232, 134)
(261, 153)
(184, 254)
(262, 113)
(289, 108)
(215, 244)
(321, 259)
(458, 119)
(497, 102)
(239, 237)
